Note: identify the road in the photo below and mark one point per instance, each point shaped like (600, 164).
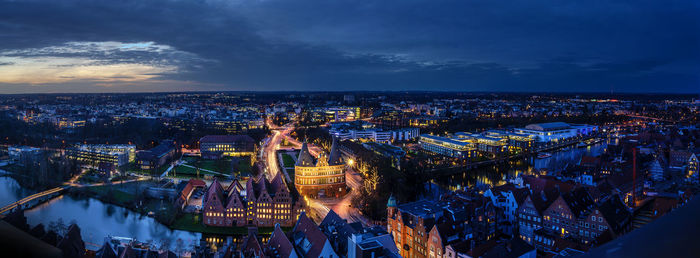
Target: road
(317, 207)
(271, 147)
(343, 206)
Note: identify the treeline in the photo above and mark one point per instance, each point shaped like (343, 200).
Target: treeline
(144, 133)
(45, 170)
(381, 180)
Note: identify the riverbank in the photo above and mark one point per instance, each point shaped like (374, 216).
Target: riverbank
(163, 212)
(124, 196)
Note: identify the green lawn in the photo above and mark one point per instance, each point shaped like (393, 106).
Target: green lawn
(188, 171)
(287, 160)
(244, 167)
(192, 222)
(132, 167)
(222, 166)
(118, 196)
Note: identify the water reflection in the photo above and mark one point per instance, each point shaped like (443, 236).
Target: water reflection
(98, 220)
(499, 174)
(11, 191)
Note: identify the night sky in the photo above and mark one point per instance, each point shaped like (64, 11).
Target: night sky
(339, 45)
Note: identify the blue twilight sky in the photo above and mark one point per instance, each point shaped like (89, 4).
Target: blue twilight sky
(461, 45)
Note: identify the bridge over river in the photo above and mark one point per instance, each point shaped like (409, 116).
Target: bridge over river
(48, 193)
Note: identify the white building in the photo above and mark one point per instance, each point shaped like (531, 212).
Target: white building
(509, 198)
(556, 131)
(376, 135)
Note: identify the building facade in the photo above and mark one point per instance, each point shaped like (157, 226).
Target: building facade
(94, 154)
(454, 148)
(556, 131)
(156, 156)
(261, 203)
(326, 177)
(217, 146)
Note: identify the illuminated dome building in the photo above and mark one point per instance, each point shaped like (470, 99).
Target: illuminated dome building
(326, 177)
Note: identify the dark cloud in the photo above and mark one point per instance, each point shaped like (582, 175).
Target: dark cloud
(526, 45)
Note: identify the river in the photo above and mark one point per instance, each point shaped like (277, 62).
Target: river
(498, 175)
(96, 219)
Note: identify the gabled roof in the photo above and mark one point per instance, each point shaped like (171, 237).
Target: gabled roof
(579, 201)
(106, 251)
(277, 184)
(215, 195)
(279, 245)
(518, 193)
(307, 237)
(255, 187)
(615, 213)
(451, 232)
(233, 198)
(72, 243)
(234, 186)
(251, 247)
(542, 199)
(337, 230)
(547, 183)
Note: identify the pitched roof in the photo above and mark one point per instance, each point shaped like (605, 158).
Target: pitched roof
(106, 251)
(579, 201)
(305, 159)
(215, 195)
(518, 193)
(234, 186)
(307, 237)
(72, 243)
(279, 245)
(615, 213)
(251, 247)
(334, 156)
(337, 230)
(547, 183)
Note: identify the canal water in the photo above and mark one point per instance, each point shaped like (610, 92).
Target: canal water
(499, 174)
(96, 219)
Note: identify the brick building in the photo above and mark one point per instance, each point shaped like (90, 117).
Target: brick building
(326, 177)
(217, 146)
(432, 228)
(262, 203)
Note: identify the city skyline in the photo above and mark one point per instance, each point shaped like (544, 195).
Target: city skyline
(173, 46)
